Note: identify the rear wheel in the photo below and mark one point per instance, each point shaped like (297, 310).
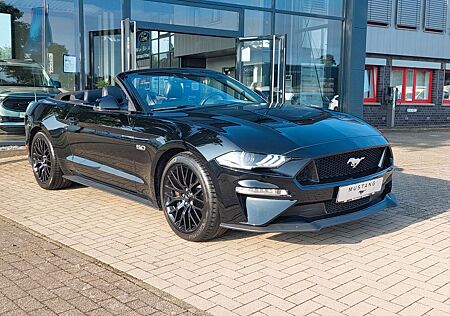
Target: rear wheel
(46, 168)
(189, 199)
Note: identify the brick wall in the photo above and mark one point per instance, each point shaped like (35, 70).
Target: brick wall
(425, 115)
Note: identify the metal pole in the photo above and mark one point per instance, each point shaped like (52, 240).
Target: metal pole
(124, 36)
(272, 99)
(394, 104)
(82, 81)
(44, 35)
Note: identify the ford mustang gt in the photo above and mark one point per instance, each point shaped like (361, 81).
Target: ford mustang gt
(211, 153)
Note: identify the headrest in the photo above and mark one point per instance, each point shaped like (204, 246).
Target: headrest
(115, 92)
(174, 90)
(77, 95)
(91, 96)
(63, 96)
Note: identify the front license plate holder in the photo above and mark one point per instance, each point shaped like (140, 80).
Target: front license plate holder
(360, 190)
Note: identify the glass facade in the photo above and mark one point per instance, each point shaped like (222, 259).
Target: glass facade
(313, 57)
(44, 31)
(322, 7)
(155, 49)
(203, 33)
(102, 41)
(183, 15)
(257, 23)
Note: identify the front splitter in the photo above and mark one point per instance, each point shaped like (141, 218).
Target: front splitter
(389, 201)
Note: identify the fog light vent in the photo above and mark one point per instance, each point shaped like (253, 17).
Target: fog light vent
(264, 192)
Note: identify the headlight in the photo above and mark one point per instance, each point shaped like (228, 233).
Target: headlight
(249, 161)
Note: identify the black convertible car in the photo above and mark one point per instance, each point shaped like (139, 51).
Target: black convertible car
(211, 153)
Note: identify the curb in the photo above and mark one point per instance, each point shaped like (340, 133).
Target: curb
(416, 129)
(12, 153)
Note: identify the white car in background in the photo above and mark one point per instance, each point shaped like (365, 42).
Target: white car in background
(21, 82)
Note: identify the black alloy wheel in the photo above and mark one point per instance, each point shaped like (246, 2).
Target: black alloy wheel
(42, 164)
(189, 199)
(45, 165)
(183, 198)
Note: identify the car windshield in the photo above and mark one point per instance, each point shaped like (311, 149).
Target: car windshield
(23, 75)
(167, 91)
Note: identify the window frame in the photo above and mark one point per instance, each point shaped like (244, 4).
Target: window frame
(374, 76)
(404, 80)
(444, 101)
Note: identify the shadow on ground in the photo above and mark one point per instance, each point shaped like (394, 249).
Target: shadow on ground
(427, 139)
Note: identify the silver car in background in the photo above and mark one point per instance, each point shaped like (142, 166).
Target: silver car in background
(21, 82)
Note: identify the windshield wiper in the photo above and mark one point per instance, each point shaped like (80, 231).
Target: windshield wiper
(170, 108)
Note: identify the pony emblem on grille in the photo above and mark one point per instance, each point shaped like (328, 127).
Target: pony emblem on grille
(354, 162)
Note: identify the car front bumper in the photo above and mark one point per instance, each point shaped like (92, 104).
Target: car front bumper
(309, 207)
(389, 200)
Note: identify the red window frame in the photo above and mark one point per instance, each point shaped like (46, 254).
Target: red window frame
(444, 101)
(404, 79)
(374, 75)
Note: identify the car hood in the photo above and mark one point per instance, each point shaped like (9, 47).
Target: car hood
(23, 91)
(280, 129)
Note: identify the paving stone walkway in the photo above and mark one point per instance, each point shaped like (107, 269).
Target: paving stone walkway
(40, 277)
(396, 262)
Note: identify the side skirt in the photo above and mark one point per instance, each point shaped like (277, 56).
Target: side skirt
(109, 189)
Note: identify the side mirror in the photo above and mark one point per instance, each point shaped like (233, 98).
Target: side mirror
(107, 103)
(56, 84)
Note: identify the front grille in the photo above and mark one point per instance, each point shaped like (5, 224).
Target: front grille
(339, 167)
(333, 207)
(17, 104)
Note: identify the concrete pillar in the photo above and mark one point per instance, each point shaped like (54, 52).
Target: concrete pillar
(354, 53)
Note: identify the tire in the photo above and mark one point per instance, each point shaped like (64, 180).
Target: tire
(189, 200)
(45, 165)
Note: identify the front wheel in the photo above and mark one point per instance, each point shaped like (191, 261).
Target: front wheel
(46, 168)
(189, 199)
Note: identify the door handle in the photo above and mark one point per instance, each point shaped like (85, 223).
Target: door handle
(72, 120)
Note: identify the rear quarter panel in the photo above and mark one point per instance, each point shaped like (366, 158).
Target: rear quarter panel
(49, 116)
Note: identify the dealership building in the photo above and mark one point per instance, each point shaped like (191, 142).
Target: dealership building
(311, 50)
(408, 48)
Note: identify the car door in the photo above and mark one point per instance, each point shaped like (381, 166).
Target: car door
(151, 133)
(102, 146)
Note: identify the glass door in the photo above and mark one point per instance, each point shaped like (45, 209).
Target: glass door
(150, 47)
(105, 57)
(147, 48)
(261, 65)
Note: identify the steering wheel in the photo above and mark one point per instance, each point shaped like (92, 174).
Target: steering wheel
(214, 96)
(151, 99)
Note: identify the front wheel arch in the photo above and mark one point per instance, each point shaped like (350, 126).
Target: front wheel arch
(32, 134)
(159, 169)
(168, 153)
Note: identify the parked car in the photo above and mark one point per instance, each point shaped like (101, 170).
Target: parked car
(212, 154)
(21, 82)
